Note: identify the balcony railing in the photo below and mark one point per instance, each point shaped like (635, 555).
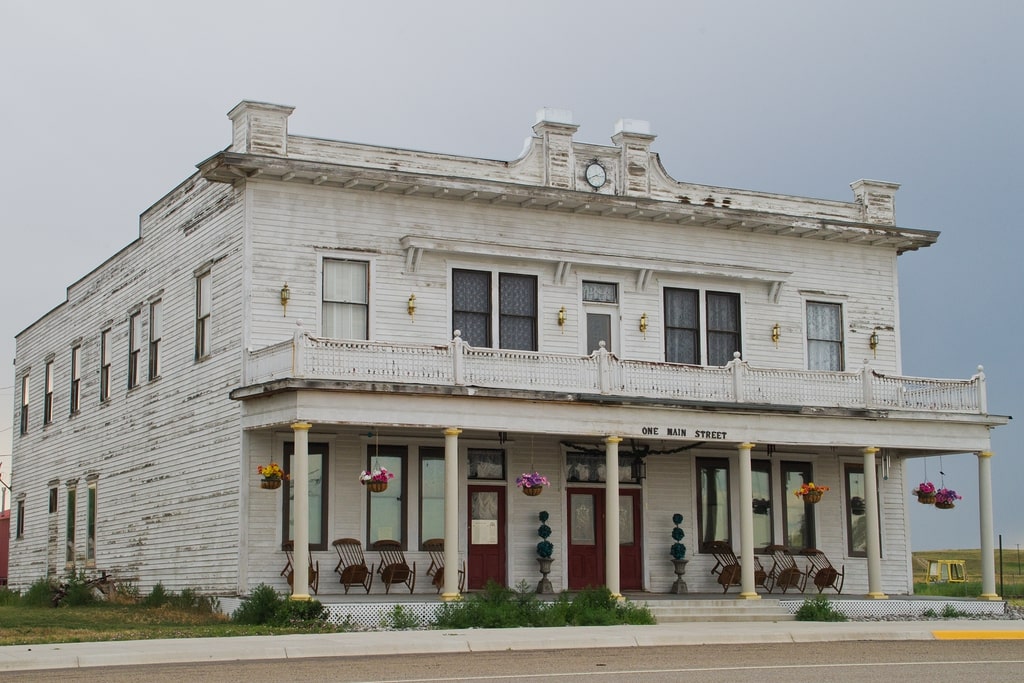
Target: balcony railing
(458, 364)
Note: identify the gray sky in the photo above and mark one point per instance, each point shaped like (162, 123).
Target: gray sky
(106, 106)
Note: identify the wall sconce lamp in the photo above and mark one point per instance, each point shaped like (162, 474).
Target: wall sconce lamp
(638, 468)
(286, 295)
(873, 342)
(561, 318)
(643, 323)
(776, 334)
(412, 307)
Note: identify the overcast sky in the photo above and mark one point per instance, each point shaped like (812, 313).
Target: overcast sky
(106, 106)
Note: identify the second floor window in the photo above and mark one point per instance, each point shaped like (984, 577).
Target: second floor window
(473, 309)
(346, 299)
(48, 394)
(24, 404)
(76, 378)
(683, 327)
(105, 365)
(824, 336)
(134, 349)
(156, 332)
(204, 302)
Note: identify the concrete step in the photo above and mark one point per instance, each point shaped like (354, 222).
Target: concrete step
(678, 611)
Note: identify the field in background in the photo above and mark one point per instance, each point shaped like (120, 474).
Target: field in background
(1009, 582)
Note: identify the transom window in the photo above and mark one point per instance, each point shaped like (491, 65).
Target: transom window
(824, 336)
(346, 296)
(683, 317)
(473, 309)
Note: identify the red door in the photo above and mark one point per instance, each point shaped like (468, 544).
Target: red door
(486, 533)
(586, 516)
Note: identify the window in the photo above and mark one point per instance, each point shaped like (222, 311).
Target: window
(19, 530)
(824, 336)
(53, 500)
(48, 394)
(386, 518)
(683, 326)
(24, 404)
(471, 306)
(601, 305)
(761, 491)
(134, 349)
(856, 519)
(486, 463)
(317, 495)
(90, 527)
(76, 378)
(105, 365)
(69, 555)
(431, 493)
(472, 309)
(204, 302)
(346, 289)
(797, 515)
(156, 333)
(713, 518)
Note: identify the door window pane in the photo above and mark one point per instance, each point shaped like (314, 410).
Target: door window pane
(824, 336)
(713, 502)
(471, 306)
(345, 299)
(626, 527)
(599, 329)
(582, 522)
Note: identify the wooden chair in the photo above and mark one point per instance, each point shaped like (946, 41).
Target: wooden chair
(351, 565)
(821, 571)
(393, 568)
(785, 573)
(435, 547)
(728, 569)
(314, 569)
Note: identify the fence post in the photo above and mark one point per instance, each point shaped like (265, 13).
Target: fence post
(982, 391)
(603, 370)
(457, 357)
(736, 365)
(299, 351)
(865, 380)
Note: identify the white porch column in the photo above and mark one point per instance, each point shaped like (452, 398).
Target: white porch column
(988, 559)
(611, 515)
(747, 585)
(871, 512)
(450, 587)
(300, 521)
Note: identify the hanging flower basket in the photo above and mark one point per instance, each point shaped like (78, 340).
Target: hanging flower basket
(533, 490)
(925, 493)
(272, 474)
(532, 483)
(376, 480)
(810, 492)
(945, 499)
(376, 486)
(945, 505)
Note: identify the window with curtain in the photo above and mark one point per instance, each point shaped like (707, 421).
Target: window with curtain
(386, 518)
(346, 299)
(682, 326)
(134, 348)
(797, 515)
(517, 312)
(723, 311)
(761, 493)
(713, 517)
(318, 497)
(856, 519)
(431, 493)
(824, 336)
(471, 306)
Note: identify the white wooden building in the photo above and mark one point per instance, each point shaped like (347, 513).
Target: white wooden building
(461, 321)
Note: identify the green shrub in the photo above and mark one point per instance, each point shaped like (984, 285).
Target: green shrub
(950, 612)
(260, 607)
(39, 594)
(157, 597)
(819, 609)
(9, 598)
(294, 613)
(399, 619)
(76, 591)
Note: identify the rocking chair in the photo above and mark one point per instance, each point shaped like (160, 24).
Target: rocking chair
(785, 574)
(289, 571)
(393, 568)
(435, 547)
(821, 571)
(351, 565)
(727, 566)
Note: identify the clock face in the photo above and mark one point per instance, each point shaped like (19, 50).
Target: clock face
(596, 175)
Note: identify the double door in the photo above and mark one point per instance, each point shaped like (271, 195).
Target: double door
(586, 515)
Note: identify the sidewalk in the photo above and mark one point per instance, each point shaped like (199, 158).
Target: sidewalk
(80, 655)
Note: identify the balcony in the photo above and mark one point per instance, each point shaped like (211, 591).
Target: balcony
(458, 364)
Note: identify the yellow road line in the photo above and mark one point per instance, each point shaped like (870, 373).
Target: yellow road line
(978, 635)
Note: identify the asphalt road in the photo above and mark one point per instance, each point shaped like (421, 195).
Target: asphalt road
(906, 661)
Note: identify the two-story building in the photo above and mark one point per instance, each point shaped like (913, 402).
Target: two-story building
(650, 346)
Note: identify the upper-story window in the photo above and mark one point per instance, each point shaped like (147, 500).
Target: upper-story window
(683, 326)
(204, 303)
(24, 404)
(346, 299)
(473, 309)
(156, 332)
(48, 394)
(824, 336)
(134, 348)
(105, 365)
(76, 378)
(601, 306)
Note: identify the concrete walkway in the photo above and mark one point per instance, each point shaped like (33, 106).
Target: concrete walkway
(80, 655)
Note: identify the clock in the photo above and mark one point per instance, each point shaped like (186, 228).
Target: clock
(596, 175)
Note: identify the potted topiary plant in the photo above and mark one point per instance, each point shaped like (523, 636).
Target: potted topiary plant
(678, 552)
(544, 550)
